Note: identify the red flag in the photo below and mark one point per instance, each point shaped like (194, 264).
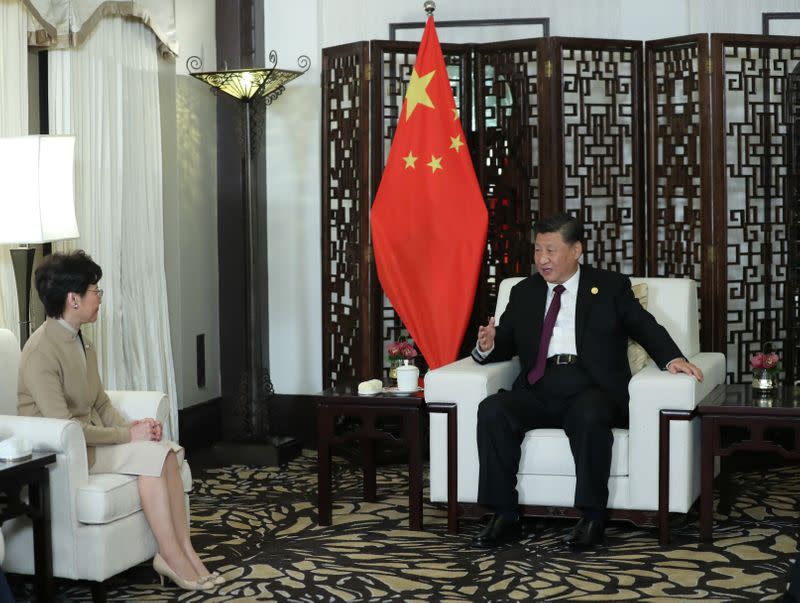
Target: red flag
(428, 219)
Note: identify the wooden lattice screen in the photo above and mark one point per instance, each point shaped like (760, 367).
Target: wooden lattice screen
(679, 225)
(755, 227)
(559, 124)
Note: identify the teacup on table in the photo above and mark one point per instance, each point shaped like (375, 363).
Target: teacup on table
(407, 378)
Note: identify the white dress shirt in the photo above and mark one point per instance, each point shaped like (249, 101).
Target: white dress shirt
(563, 339)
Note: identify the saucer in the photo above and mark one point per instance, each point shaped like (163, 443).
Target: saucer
(393, 391)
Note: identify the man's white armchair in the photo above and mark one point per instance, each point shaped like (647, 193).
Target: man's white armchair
(98, 527)
(546, 475)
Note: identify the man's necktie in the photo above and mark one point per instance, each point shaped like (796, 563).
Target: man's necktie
(537, 372)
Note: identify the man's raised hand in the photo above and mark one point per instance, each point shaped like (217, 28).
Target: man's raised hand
(486, 336)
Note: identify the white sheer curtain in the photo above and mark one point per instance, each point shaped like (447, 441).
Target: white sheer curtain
(13, 122)
(106, 94)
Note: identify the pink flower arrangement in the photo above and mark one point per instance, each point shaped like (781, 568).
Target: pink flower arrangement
(399, 350)
(768, 361)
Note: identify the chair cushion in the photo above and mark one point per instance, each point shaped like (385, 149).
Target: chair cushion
(546, 452)
(111, 496)
(637, 357)
(108, 497)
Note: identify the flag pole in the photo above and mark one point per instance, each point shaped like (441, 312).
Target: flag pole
(429, 7)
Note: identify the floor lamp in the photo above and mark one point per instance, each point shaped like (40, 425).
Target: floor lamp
(254, 89)
(37, 204)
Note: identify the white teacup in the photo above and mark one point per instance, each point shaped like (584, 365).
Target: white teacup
(407, 378)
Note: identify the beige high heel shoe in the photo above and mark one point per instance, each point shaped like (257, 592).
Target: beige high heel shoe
(215, 578)
(165, 571)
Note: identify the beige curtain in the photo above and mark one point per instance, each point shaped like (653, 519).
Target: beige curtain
(65, 23)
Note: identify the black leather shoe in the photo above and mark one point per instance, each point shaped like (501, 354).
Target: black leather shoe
(586, 534)
(498, 531)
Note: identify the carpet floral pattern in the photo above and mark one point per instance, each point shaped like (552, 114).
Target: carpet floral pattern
(258, 526)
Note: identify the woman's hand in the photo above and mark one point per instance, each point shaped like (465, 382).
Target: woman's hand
(141, 432)
(146, 430)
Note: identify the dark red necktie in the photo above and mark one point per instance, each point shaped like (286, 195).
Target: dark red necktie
(537, 372)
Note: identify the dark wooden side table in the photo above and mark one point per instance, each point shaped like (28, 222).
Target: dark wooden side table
(412, 410)
(758, 420)
(33, 473)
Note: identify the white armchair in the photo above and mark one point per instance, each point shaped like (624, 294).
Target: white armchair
(546, 475)
(98, 527)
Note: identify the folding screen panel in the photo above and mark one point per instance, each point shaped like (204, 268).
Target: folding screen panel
(755, 221)
(507, 96)
(679, 212)
(345, 214)
(598, 116)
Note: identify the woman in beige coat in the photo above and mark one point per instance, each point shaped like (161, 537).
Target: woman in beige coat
(58, 378)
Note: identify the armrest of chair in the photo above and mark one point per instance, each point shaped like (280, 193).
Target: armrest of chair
(48, 435)
(651, 391)
(67, 474)
(140, 404)
(466, 383)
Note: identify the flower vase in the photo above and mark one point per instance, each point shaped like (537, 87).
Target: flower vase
(393, 364)
(764, 382)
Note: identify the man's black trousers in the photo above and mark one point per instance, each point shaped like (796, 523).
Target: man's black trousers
(564, 398)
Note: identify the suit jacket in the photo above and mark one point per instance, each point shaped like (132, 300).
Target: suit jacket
(606, 315)
(54, 383)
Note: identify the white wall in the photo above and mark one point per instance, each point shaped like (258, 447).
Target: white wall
(190, 202)
(293, 128)
(293, 202)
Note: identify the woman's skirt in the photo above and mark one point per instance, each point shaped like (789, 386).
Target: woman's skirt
(134, 458)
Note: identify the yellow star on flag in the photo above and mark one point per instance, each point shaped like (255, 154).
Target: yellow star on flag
(435, 164)
(417, 93)
(456, 143)
(410, 160)
(455, 113)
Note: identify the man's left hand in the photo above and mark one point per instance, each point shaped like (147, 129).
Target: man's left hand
(681, 365)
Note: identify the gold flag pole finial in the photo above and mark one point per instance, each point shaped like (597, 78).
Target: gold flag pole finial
(429, 7)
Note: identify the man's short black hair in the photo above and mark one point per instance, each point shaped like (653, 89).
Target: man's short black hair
(570, 227)
(62, 273)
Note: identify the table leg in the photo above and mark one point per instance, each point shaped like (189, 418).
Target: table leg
(725, 486)
(663, 478)
(39, 496)
(413, 428)
(324, 433)
(368, 466)
(452, 471)
(707, 445)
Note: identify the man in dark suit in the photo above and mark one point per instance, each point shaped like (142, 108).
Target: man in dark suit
(570, 325)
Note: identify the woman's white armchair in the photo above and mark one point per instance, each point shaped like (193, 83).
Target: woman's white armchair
(547, 473)
(98, 527)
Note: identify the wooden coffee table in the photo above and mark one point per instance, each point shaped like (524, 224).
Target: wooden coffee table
(758, 420)
(412, 410)
(34, 474)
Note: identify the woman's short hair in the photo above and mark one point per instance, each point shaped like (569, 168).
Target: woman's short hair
(61, 273)
(570, 227)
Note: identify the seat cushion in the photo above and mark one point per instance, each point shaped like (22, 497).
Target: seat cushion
(546, 452)
(108, 497)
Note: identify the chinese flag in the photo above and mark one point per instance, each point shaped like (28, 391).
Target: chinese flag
(428, 219)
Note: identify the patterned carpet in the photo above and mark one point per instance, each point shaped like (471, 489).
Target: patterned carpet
(258, 526)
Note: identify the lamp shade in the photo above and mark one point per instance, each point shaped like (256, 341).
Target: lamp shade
(37, 189)
(246, 84)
